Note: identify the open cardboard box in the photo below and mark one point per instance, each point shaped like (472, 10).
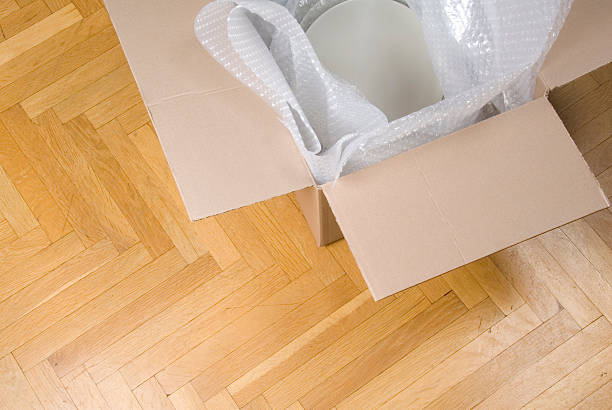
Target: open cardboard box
(406, 219)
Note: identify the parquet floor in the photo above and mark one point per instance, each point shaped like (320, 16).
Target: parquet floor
(111, 298)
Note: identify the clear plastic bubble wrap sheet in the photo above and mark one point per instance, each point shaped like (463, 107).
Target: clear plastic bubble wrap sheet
(486, 54)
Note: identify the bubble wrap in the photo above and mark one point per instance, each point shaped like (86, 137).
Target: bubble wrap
(486, 55)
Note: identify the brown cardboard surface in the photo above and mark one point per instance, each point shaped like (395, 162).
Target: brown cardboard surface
(584, 43)
(462, 197)
(319, 215)
(225, 146)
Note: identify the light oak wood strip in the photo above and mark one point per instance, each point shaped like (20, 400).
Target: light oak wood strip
(467, 359)
(216, 333)
(601, 222)
(465, 286)
(147, 143)
(48, 387)
(87, 7)
(425, 357)
(7, 235)
(602, 74)
(186, 398)
(561, 284)
(114, 106)
(73, 298)
(129, 201)
(51, 218)
(435, 288)
(346, 348)
(605, 181)
(222, 249)
(258, 403)
(591, 246)
(15, 391)
(531, 348)
(44, 162)
(589, 279)
(102, 209)
(150, 396)
(341, 252)
(563, 97)
(545, 372)
(22, 249)
(7, 7)
(38, 33)
(83, 391)
(577, 385)
(287, 325)
(496, 285)
(76, 80)
(55, 5)
(246, 238)
(97, 310)
(13, 207)
(117, 393)
(600, 157)
(99, 337)
(385, 353)
(180, 314)
(599, 400)
(51, 48)
(304, 347)
(26, 84)
(49, 285)
(221, 401)
(24, 18)
(520, 271)
(587, 108)
(134, 118)
(91, 95)
(293, 223)
(594, 132)
(174, 222)
(23, 3)
(40, 264)
(280, 246)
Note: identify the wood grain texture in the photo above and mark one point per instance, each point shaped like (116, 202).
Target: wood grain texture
(110, 297)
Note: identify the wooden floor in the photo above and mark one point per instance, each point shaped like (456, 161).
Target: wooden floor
(111, 298)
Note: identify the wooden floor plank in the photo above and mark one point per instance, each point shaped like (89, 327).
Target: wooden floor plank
(98, 309)
(15, 391)
(23, 18)
(38, 33)
(287, 326)
(22, 249)
(14, 208)
(577, 385)
(7, 234)
(496, 285)
(599, 400)
(545, 372)
(186, 398)
(113, 106)
(97, 338)
(465, 286)
(7, 7)
(48, 387)
(150, 395)
(531, 348)
(385, 353)
(72, 298)
(184, 314)
(52, 283)
(468, 359)
(121, 189)
(83, 391)
(345, 349)
(117, 393)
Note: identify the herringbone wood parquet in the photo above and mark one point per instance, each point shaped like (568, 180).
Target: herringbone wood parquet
(111, 298)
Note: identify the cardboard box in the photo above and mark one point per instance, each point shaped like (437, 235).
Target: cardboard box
(406, 219)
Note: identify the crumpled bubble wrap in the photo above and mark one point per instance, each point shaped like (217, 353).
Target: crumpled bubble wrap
(486, 55)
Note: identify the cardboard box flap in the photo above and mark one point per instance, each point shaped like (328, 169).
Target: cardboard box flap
(462, 197)
(225, 146)
(584, 43)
